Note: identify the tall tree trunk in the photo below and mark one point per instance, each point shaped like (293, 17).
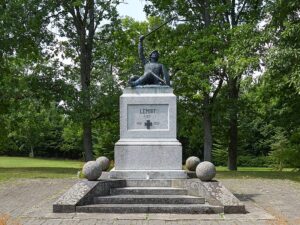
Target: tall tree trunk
(86, 20)
(233, 124)
(87, 140)
(87, 124)
(85, 78)
(207, 103)
(207, 128)
(86, 37)
(85, 72)
(233, 87)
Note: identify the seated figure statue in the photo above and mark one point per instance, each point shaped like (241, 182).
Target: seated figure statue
(154, 72)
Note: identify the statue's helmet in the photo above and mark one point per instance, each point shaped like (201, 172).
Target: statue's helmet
(154, 54)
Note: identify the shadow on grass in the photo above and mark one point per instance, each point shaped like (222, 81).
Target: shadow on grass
(289, 175)
(37, 172)
(39, 169)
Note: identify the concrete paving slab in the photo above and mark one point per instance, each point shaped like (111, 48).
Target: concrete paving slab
(53, 222)
(88, 222)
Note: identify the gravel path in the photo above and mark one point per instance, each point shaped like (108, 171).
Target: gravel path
(29, 201)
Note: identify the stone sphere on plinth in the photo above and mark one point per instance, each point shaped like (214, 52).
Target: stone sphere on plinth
(192, 162)
(104, 162)
(206, 171)
(92, 170)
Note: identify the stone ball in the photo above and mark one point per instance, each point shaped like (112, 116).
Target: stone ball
(104, 162)
(92, 170)
(192, 162)
(206, 171)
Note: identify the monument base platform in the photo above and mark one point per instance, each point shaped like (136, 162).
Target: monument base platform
(148, 159)
(148, 155)
(147, 174)
(189, 196)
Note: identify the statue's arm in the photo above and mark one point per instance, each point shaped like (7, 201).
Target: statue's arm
(141, 50)
(166, 75)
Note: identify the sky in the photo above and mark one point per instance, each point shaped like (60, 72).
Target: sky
(133, 8)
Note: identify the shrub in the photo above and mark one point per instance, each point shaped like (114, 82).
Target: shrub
(285, 152)
(220, 157)
(252, 161)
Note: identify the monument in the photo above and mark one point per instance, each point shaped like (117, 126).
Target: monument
(148, 175)
(148, 148)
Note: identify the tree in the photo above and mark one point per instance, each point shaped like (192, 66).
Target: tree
(79, 21)
(281, 82)
(35, 55)
(228, 37)
(23, 31)
(202, 87)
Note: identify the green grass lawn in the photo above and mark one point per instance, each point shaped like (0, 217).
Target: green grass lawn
(23, 167)
(258, 172)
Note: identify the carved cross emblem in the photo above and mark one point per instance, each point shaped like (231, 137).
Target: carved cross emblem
(148, 124)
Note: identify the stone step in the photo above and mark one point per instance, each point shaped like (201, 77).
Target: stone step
(149, 199)
(151, 208)
(148, 191)
(149, 183)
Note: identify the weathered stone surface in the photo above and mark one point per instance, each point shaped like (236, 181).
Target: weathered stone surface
(67, 202)
(92, 170)
(148, 156)
(147, 174)
(215, 193)
(151, 208)
(206, 171)
(104, 162)
(159, 101)
(148, 191)
(191, 174)
(149, 199)
(149, 183)
(192, 162)
(218, 191)
(148, 148)
(83, 193)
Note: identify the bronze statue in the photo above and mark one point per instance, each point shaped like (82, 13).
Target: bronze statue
(154, 72)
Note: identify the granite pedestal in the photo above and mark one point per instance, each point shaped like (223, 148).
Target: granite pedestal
(148, 148)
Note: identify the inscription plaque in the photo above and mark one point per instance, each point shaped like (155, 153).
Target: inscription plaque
(148, 117)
